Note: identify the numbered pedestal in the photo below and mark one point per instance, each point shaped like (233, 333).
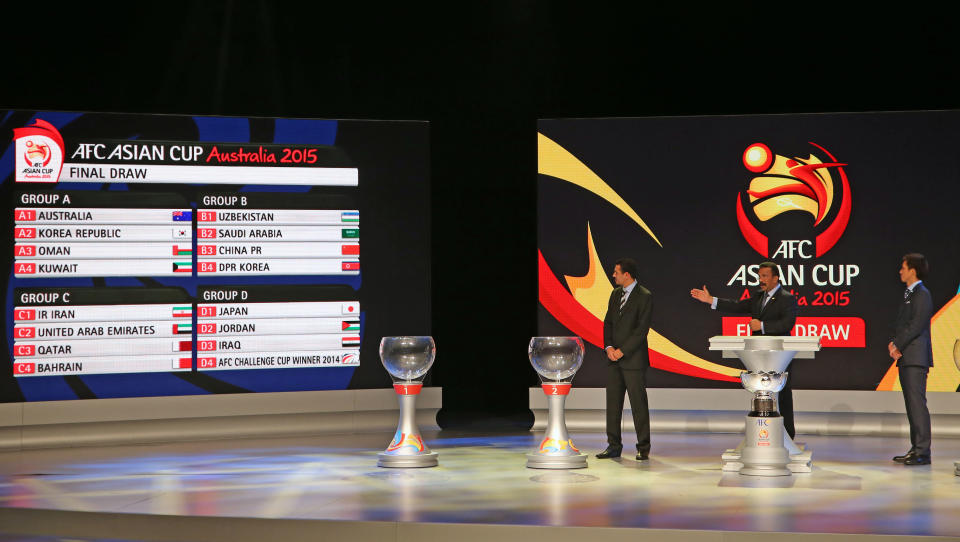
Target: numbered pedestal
(556, 450)
(407, 448)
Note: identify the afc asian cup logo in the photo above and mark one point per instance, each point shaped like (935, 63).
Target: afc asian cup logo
(349, 359)
(39, 151)
(812, 185)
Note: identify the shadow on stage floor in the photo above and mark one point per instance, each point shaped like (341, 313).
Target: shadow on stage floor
(286, 489)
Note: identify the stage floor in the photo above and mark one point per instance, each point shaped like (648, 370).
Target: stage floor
(854, 487)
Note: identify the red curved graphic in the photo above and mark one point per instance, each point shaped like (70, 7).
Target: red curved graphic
(43, 128)
(753, 236)
(805, 174)
(831, 235)
(559, 303)
(801, 189)
(807, 177)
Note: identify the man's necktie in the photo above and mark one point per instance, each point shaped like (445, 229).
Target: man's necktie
(906, 293)
(766, 298)
(623, 300)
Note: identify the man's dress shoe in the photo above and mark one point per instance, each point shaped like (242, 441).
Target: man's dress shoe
(643, 456)
(917, 460)
(609, 453)
(902, 458)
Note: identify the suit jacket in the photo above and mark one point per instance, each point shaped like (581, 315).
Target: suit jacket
(627, 329)
(778, 316)
(911, 333)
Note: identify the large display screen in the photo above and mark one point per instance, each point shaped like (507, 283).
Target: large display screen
(174, 255)
(835, 200)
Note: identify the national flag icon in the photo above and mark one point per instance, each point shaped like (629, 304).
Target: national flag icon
(182, 329)
(183, 363)
(349, 250)
(350, 308)
(182, 233)
(350, 216)
(350, 325)
(350, 341)
(350, 233)
(182, 346)
(182, 267)
(182, 216)
(182, 311)
(182, 251)
(350, 266)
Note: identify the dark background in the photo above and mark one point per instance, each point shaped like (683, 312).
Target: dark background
(683, 175)
(481, 73)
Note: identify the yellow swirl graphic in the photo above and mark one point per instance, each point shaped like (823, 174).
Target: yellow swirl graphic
(555, 161)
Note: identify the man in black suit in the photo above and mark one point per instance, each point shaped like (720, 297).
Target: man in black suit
(911, 348)
(774, 312)
(625, 330)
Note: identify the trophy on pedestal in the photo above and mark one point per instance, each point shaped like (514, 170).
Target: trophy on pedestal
(767, 449)
(407, 359)
(556, 360)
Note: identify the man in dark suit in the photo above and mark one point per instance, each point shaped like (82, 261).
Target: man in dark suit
(774, 312)
(625, 330)
(910, 346)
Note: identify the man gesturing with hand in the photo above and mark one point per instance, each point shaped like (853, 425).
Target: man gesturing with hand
(773, 311)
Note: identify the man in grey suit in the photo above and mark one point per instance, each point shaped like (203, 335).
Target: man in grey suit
(625, 330)
(911, 348)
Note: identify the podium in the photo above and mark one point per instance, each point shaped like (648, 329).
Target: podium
(766, 449)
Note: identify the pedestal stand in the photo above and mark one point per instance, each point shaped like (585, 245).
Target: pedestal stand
(556, 450)
(407, 448)
(767, 449)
